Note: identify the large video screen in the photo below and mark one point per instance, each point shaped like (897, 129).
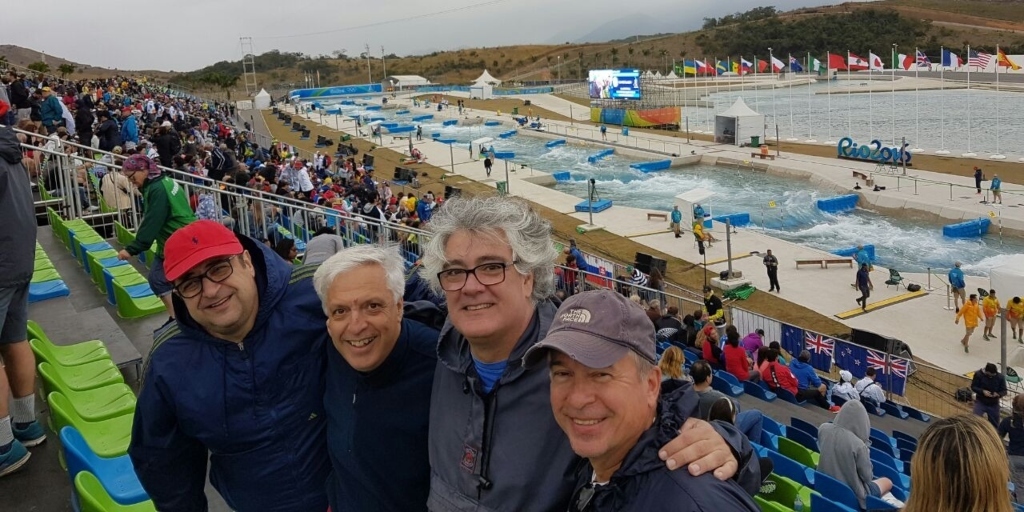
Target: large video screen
(614, 84)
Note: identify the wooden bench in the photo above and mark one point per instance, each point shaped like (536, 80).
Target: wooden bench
(655, 215)
(863, 176)
(824, 262)
(762, 156)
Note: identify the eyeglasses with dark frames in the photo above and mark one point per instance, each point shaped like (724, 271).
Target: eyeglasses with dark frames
(487, 274)
(216, 273)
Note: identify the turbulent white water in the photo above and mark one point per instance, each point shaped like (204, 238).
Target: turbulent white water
(907, 245)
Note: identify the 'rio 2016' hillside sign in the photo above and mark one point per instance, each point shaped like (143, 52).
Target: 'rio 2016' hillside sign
(873, 152)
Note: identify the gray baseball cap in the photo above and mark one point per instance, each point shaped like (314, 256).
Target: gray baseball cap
(596, 329)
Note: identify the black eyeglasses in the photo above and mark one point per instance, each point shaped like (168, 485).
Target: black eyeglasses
(487, 274)
(217, 273)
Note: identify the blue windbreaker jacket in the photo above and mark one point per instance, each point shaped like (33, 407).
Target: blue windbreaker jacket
(255, 410)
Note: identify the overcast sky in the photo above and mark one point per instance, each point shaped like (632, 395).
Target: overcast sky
(183, 35)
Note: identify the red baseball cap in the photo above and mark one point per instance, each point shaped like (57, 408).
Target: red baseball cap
(196, 243)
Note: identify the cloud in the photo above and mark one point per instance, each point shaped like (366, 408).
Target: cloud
(183, 35)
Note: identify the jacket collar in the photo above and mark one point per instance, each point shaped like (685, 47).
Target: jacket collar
(453, 349)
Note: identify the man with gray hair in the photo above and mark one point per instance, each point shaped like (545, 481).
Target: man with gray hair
(378, 382)
(607, 396)
(493, 445)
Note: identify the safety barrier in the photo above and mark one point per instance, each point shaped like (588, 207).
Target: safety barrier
(838, 204)
(594, 206)
(450, 122)
(507, 134)
(645, 167)
(852, 251)
(735, 219)
(971, 229)
(492, 123)
(427, 117)
(561, 176)
(504, 155)
(600, 154)
(554, 143)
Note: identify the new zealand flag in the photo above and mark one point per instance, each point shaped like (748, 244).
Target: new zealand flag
(891, 371)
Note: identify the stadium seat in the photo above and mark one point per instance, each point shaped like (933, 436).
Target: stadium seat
(916, 414)
(96, 266)
(880, 457)
(44, 275)
(874, 503)
(96, 374)
(786, 491)
(38, 292)
(121, 272)
(94, 498)
(770, 506)
(835, 490)
(805, 439)
(757, 391)
(138, 306)
(102, 249)
(895, 410)
(102, 403)
(898, 479)
(789, 397)
(106, 438)
(770, 425)
(797, 452)
(791, 469)
(69, 355)
(722, 384)
(883, 446)
(804, 425)
(769, 440)
(820, 503)
(116, 474)
(903, 444)
(908, 439)
(872, 408)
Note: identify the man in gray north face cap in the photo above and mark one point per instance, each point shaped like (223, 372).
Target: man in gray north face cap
(608, 398)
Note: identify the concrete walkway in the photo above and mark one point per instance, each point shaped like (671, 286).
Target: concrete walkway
(923, 322)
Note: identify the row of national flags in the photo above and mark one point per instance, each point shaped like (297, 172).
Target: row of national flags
(848, 62)
(892, 372)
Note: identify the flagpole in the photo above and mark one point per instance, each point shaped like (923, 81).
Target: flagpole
(893, 55)
(969, 126)
(871, 110)
(707, 112)
(998, 155)
(828, 93)
(756, 106)
(775, 109)
(792, 134)
(917, 99)
(849, 98)
(942, 99)
(807, 69)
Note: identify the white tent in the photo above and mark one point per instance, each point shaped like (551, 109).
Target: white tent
(738, 124)
(262, 100)
(672, 74)
(1008, 278)
(486, 79)
(401, 82)
(657, 74)
(688, 200)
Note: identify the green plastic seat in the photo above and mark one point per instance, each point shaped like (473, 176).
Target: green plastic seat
(43, 276)
(69, 355)
(786, 491)
(84, 237)
(96, 269)
(101, 403)
(123, 235)
(128, 307)
(126, 279)
(42, 264)
(107, 438)
(79, 378)
(798, 452)
(770, 506)
(92, 497)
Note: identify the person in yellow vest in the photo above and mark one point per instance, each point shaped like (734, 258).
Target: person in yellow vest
(971, 313)
(1015, 316)
(990, 306)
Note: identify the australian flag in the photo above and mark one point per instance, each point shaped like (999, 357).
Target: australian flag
(890, 371)
(821, 348)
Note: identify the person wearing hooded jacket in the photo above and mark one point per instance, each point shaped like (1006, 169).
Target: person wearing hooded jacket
(237, 380)
(845, 452)
(107, 132)
(845, 389)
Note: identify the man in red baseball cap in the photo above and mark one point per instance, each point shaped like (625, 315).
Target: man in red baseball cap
(236, 380)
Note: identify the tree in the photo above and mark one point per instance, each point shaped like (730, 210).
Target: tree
(3, 62)
(66, 69)
(221, 81)
(39, 67)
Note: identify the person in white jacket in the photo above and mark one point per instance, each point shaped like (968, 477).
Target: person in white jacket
(845, 389)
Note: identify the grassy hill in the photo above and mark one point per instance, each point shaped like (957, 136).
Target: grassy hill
(927, 24)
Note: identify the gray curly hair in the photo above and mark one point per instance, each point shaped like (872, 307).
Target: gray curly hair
(528, 234)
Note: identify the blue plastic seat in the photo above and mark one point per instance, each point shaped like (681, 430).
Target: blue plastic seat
(908, 440)
(898, 479)
(883, 446)
(139, 291)
(838, 400)
(789, 397)
(116, 474)
(722, 384)
(773, 426)
(820, 503)
(757, 391)
(882, 435)
(769, 440)
(791, 469)
(872, 408)
(804, 425)
(837, 491)
(805, 439)
(93, 247)
(874, 503)
(894, 409)
(916, 414)
(880, 457)
(49, 290)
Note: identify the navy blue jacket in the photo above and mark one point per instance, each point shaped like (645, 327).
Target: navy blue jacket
(643, 483)
(256, 409)
(377, 426)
